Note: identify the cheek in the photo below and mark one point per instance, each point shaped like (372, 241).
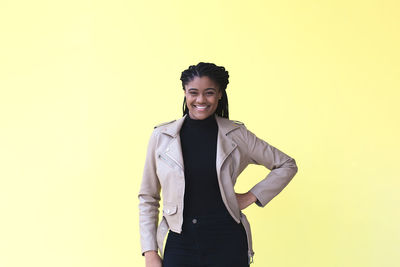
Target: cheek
(214, 101)
(188, 100)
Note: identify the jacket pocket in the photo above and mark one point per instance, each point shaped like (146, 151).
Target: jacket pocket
(170, 213)
(169, 209)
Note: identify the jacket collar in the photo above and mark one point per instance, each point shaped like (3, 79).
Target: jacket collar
(224, 126)
(225, 145)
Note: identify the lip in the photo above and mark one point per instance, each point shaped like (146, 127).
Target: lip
(201, 107)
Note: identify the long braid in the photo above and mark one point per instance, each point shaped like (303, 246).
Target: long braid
(216, 73)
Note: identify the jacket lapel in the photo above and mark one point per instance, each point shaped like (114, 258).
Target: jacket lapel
(225, 145)
(174, 149)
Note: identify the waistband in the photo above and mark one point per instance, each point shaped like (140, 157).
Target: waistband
(209, 218)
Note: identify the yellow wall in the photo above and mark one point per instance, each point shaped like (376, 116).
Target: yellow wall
(84, 82)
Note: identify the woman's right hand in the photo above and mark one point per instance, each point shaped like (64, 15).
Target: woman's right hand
(152, 259)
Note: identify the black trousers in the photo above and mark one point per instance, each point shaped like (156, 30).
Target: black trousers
(207, 241)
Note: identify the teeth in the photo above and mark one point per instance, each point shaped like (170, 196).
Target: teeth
(201, 107)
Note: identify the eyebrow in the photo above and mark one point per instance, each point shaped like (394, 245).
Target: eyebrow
(210, 88)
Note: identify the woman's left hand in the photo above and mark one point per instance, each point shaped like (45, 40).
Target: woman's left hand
(245, 199)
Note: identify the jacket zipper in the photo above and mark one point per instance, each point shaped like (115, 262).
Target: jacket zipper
(247, 229)
(168, 160)
(171, 158)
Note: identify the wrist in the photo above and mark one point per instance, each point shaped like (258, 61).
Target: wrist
(252, 197)
(150, 253)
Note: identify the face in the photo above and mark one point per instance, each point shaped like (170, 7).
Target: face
(202, 95)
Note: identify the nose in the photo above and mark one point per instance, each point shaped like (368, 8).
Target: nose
(200, 98)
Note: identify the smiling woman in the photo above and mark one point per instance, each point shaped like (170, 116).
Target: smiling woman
(202, 96)
(208, 80)
(196, 161)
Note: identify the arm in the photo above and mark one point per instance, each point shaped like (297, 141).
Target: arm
(283, 168)
(149, 198)
(245, 199)
(152, 259)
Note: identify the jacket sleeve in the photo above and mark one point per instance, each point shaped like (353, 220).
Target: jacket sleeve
(149, 199)
(283, 168)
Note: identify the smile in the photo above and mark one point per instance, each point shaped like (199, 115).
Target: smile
(200, 107)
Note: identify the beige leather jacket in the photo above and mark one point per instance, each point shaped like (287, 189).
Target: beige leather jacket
(237, 147)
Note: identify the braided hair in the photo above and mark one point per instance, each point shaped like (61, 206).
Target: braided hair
(218, 74)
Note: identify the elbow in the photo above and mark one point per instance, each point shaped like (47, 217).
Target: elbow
(293, 166)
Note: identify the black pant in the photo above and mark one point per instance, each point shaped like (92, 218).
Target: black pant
(207, 241)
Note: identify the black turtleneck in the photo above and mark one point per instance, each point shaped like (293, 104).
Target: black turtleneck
(199, 149)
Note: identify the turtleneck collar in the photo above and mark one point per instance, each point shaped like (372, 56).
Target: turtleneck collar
(209, 121)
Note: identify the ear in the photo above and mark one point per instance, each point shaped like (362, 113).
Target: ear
(219, 94)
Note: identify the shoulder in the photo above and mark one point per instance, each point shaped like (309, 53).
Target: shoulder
(234, 128)
(160, 125)
(157, 129)
(227, 121)
(234, 123)
(237, 122)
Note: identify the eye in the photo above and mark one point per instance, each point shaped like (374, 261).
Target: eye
(210, 93)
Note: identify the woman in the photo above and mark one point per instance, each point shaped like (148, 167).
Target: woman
(195, 162)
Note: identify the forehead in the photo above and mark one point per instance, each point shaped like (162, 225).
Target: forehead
(201, 83)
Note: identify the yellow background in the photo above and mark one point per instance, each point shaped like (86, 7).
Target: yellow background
(84, 82)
